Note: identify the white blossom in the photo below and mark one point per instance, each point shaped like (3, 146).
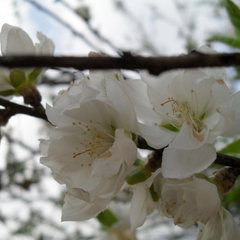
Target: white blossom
(15, 41)
(91, 149)
(221, 226)
(188, 201)
(184, 111)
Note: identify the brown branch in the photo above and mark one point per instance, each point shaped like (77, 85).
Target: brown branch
(12, 109)
(228, 160)
(154, 65)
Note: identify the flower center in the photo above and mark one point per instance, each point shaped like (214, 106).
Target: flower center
(96, 139)
(180, 112)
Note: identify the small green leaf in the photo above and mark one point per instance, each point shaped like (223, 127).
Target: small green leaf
(138, 175)
(107, 218)
(233, 42)
(170, 127)
(32, 77)
(232, 148)
(234, 15)
(17, 78)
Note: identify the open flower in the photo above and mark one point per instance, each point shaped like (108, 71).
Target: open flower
(15, 41)
(185, 110)
(91, 149)
(188, 201)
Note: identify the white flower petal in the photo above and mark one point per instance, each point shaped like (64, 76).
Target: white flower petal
(187, 138)
(137, 92)
(138, 212)
(234, 106)
(75, 209)
(15, 41)
(45, 45)
(156, 136)
(177, 163)
(220, 226)
(121, 104)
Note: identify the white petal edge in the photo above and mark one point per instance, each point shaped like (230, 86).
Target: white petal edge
(177, 163)
(75, 209)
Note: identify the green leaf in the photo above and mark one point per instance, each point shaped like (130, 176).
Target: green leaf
(107, 218)
(233, 42)
(233, 196)
(32, 77)
(138, 175)
(232, 148)
(17, 78)
(234, 15)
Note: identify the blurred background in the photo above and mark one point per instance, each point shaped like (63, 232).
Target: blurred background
(30, 200)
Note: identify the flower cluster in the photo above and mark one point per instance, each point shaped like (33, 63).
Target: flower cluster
(93, 147)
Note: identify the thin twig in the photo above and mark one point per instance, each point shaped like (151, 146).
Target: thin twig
(12, 109)
(95, 32)
(154, 65)
(63, 23)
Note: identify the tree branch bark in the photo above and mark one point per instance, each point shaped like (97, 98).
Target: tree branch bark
(154, 65)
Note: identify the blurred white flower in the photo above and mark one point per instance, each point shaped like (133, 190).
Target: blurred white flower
(15, 41)
(185, 110)
(221, 226)
(188, 201)
(91, 149)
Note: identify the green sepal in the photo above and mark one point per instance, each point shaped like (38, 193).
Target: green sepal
(139, 163)
(153, 193)
(17, 78)
(107, 218)
(170, 127)
(7, 92)
(32, 76)
(138, 175)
